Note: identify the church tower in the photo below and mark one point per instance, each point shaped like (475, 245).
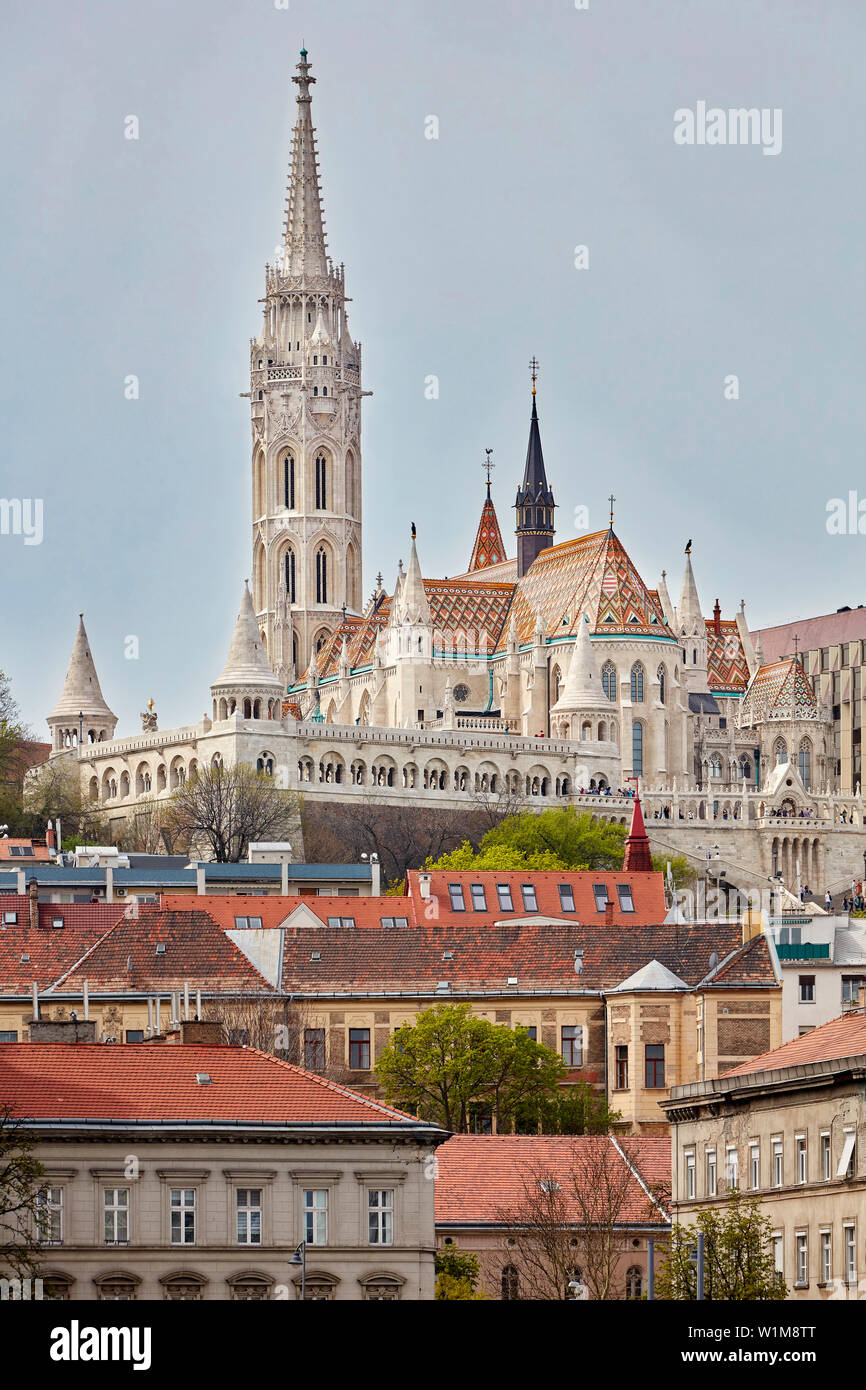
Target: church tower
(535, 504)
(305, 399)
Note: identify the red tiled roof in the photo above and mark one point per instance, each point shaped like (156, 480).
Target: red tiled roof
(157, 1082)
(489, 547)
(727, 667)
(40, 852)
(483, 1177)
(841, 1037)
(647, 889)
(540, 956)
(197, 952)
(51, 950)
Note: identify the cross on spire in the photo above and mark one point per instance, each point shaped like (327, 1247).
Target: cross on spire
(796, 645)
(488, 465)
(611, 500)
(533, 367)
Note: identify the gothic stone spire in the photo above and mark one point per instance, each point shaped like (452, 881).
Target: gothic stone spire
(304, 247)
(534, 505)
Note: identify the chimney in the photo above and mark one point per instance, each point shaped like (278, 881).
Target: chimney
(49, 839)
(375, 876)
(200, 886)
(205, 1032)
(284, 878)
(424, 885)
(608, 912)
(22, 883)
(63, 1030)
(717, 618)
(33, 892)
(109, 884)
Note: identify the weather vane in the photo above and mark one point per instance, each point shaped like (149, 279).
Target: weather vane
(533, 367)
(488, 464)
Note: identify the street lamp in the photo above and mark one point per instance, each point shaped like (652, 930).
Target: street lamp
(80, 727)
(300, 1258)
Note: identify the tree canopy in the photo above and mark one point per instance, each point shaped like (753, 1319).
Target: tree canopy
(562, 837)
(451, 1068)
(738, 1256)
(457, 1274)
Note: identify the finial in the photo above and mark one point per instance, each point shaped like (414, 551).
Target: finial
(533, 367)
(689, 546)
(150, 703)
(488, 464)
(380, 579)
(611, 500)
(796, 645)
(414, 533)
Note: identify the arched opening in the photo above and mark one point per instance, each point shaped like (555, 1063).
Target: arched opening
(321, 471)
(637, 683)
(608, 680)
(322, 574)
(290, 575)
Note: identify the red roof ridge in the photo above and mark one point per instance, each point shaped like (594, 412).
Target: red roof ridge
(81, 959)
(335, 1086)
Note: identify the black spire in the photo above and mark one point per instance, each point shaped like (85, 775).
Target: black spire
(534, 504)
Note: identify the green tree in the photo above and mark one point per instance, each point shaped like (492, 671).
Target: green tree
(449, 1067)
(577, 1109)
(575, 839)
(12, 731)
(499, 858)
(457, 1274)
(682, 872)
(738, 1256)
(20, 1214)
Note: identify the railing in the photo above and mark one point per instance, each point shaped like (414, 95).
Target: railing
(411, 738)
(807, 950)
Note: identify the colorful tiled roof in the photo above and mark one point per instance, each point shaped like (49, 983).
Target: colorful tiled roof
(779, 690)
(197, 952)
(482, 1179)
(728, 668)
(841, 1037)
(489, 547)
(592, 575)
(153, 1082)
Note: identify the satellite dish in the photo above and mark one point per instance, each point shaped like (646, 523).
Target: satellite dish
(714, 960)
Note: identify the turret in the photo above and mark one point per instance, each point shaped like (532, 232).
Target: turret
(247, 686)
(81, 715)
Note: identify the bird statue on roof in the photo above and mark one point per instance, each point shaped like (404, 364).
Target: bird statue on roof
(689, 546)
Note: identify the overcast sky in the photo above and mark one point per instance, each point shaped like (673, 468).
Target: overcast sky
(556, 130)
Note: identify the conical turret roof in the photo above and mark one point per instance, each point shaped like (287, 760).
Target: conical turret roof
(81, 691)
(411, 603)
(583, 688)
(489, 547)
(689, 616)
(247, 662)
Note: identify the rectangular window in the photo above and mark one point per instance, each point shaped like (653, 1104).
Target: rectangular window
(802, 1259)
(850, 1255)
(826, 1161)
(599, 892)
(380, 1208)
(732, 1169)
(359, 1049)
(115, 1209)
(504, 894)
(852, 990)
(533, 1032)
(778, 1162)
(455, 893)
(655, 1066)
(712, 1184)
(183, 1216)
(249, 1208)
(754, 1166)
(621, 1082)
(530, 902)
(49, 1208)
(316, 1216)
(8, 1035)
(314, 1048)
(135, 1035)
(341, 921)
(626, 901)
(572, 1045)
(802, 1159)
(690, 1173)
(846, 1157)
(566, 897)
(479, 898)
(826, 1257)
(807, 989)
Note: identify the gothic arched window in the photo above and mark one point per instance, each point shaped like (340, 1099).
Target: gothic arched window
(804, 763)
(745, 767)
(780, 751)
(608, 680)
(289, 482)
(321, 483)
(715, 766)
(637, 748)
(637, 683)
(290, 575)
(321, 575)
(663, 680)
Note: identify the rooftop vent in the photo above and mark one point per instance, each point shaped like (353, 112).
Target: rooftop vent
(203, 1078)
(10, 919)
(447, 955)
(443, 987)
(57, 921)
(160, 950)
(24, 960)
(512, 980)
(549, 1185)
(315, 955)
